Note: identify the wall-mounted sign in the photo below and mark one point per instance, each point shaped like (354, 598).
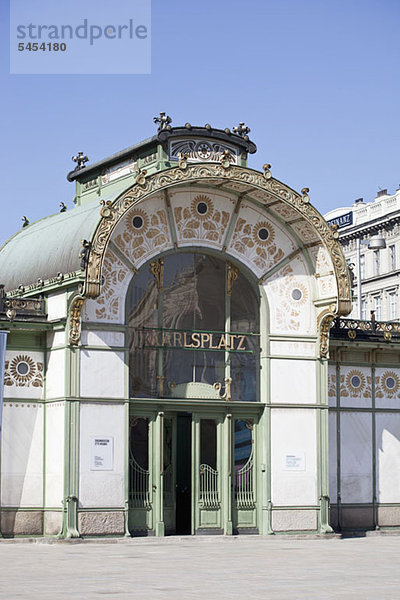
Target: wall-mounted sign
(294, 461)
(102, 453)
(342, 220)
(191, 340)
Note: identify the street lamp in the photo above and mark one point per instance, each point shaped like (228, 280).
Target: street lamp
(375, 243)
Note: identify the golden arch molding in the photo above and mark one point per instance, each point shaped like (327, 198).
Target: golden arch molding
(111, 214)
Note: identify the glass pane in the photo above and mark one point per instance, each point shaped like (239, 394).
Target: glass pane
(194, 300)
(245, 318)
(244, 307)
(139, 442)
(242, 442)
(208, 443)
(142, 311)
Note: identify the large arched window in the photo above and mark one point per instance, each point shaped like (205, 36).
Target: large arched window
(193, 323)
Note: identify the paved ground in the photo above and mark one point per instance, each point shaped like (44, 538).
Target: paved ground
(203, 567)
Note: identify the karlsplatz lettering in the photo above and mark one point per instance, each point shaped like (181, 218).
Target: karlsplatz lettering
(196, 340)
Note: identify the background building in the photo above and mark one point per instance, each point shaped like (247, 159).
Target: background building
(380, 268)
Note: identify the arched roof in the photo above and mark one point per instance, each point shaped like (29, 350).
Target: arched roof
(48, 247)
(52, 245)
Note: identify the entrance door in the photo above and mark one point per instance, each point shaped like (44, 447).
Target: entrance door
(208, 474)
(192, 476)
(177, 474)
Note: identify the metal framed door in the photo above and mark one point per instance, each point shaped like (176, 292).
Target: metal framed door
(141, 474)
(207, 475)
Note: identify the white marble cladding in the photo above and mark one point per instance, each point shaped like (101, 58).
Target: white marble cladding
(294, 457)
(293, 381)
(102, 374)
(388, 457)
(105, 339)
(22, 455)
(98, 488)
(55, 339)
(24, 375)
(56, 306)
(54, 465)
(55, 374)
(293, 348)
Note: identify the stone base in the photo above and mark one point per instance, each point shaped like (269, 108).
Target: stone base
(294, 520)
(52, 522)
(389, 516)
(101, 523)
(20, 522)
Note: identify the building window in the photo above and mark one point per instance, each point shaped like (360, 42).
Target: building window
(362, 266)
(392, 254)
(378, 308)
(377, 262)
(363, 309)
(392, 305)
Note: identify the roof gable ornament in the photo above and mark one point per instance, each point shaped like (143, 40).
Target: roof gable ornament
(163, 121)
(242, 130)
(80, 160)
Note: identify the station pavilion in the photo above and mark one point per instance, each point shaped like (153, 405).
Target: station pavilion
(167, 356)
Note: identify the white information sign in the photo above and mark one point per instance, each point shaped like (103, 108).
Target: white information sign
(102, 453)
(294, 461)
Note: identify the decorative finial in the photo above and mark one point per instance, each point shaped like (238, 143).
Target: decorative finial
(25, 221)
(226, 159)
(80, 160)
(241, 130)
(306, 197)
(63, 207)
(163, 121)
(267, 172)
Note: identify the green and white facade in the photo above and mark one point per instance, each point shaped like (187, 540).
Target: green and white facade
(169, 372)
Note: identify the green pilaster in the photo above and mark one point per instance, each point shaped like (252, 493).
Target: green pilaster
(227, 469)
(323, 446)
(158, 471)
(71, 444)
(373, 441)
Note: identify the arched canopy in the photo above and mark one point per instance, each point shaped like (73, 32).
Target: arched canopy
(305, 224)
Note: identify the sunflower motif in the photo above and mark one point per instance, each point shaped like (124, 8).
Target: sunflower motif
(390, 382)
(263, 234)
(137, 221)
(202, 207)
(355, 381)
(298, 294)
(22, 369)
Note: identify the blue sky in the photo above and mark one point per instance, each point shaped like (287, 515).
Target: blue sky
(317, 81)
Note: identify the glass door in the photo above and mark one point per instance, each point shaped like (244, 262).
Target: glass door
(141, 475)
(244, 477)
(207, 474)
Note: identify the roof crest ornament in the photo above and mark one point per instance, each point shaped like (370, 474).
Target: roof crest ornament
(80, 160)
(163, 121)
(242, 130)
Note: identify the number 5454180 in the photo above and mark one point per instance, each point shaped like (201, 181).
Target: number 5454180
(49, 46)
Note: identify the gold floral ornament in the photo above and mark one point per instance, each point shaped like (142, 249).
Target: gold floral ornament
(263, 234)
(298, 294)
(23, 371)
(202, 207)
(137, 222)
(201, 220)
(355, 382)
(390, 383)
